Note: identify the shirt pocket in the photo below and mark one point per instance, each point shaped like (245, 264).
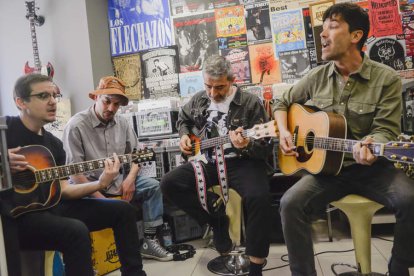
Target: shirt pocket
(360, 117)
(323, 104)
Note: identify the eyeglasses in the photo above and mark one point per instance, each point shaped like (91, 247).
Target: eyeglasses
(45, 96)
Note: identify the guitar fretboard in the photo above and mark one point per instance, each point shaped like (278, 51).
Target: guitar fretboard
(37, 63)
(217, 141)
(60, 172)
(343, 145)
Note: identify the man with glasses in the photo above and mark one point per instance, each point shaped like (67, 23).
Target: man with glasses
(221, 110)
(96, 133)
(64, 225)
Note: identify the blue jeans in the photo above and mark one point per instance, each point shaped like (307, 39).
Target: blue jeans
(147, 190)
(381, 182)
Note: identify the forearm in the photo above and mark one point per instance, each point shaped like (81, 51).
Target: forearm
(76, 191)
(81, 179)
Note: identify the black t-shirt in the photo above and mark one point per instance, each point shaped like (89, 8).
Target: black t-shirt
(19, 135)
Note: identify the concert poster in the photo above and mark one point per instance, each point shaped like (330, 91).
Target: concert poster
(128, 69)
(316, 13)
(384, 18)
(186, 7)
(160, 72)
(258, 22)
(253, 89)
(408, 108)
(239, 60)
(196, 38)
(388, 50)
(264, 67)
(230, 21)
(191, 83)
(294, 65)
(288, 30)
(408, 30)
(138, 25)
(284, 5)
(406, 5)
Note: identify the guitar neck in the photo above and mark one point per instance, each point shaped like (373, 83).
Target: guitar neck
(221, 140)
(65, 171)
(37, 63)
(344, 145)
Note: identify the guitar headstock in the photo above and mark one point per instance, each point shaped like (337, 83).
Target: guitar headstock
(401, 151)
(31, 9)
(268, 129)
(142, 155)
(407, 167)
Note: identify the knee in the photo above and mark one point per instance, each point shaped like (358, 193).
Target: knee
(78, 233)
(289, 204)
(166, 184)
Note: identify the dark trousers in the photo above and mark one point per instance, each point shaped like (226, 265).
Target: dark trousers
(381, 182)
(66, 228)
(248, 177)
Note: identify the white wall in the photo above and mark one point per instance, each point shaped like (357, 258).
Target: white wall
(74, 38)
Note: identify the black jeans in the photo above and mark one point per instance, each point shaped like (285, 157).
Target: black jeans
(248, 177)
(66, 228)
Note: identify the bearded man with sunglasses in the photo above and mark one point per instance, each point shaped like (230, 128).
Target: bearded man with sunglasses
(95, 133)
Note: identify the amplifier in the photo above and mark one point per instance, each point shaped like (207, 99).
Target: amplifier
(183, 227)
(156, 122)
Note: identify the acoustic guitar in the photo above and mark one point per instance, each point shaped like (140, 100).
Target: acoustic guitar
(47, 70)
(258, 131)
(38, 187)
(320, 140)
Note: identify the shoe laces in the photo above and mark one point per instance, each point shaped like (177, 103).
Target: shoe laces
(156, 246)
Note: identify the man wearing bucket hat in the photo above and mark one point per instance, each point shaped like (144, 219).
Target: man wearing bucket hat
(97, 132)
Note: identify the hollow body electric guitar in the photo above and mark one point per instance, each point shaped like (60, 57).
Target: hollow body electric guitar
(38, 68)
(258, 131)
(38, 187)
(320, 141)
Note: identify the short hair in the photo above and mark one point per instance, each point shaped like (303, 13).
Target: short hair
(22, 87)
(217, 66)
(356, 17)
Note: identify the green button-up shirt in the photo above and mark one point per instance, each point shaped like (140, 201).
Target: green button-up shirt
(370, 100)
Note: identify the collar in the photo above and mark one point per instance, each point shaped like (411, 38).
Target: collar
(95, 120)
(364, 71)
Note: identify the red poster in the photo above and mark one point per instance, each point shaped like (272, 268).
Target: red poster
(385, 18)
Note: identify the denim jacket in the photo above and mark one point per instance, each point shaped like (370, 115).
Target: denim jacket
(246, 110)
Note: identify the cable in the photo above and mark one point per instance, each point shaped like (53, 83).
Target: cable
(384, 239)
(284, 258)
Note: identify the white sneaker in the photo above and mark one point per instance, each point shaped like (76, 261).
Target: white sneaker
(152, 249)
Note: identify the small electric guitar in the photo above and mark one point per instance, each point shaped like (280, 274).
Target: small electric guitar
(320, 141)
(38, 68)
(258, 131)
(38, 188)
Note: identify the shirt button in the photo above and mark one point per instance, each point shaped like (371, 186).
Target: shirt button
(348, 84)
(342, 103)
(321, 105)
(360, 110)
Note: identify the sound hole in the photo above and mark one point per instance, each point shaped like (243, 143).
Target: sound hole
(309, 142)
(24, 180)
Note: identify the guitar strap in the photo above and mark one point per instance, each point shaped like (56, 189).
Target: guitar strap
(201, 180)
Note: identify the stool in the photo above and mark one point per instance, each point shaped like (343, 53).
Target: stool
(359, 211)
(236, 262)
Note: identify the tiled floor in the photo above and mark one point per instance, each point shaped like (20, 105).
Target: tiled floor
(197, 266)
